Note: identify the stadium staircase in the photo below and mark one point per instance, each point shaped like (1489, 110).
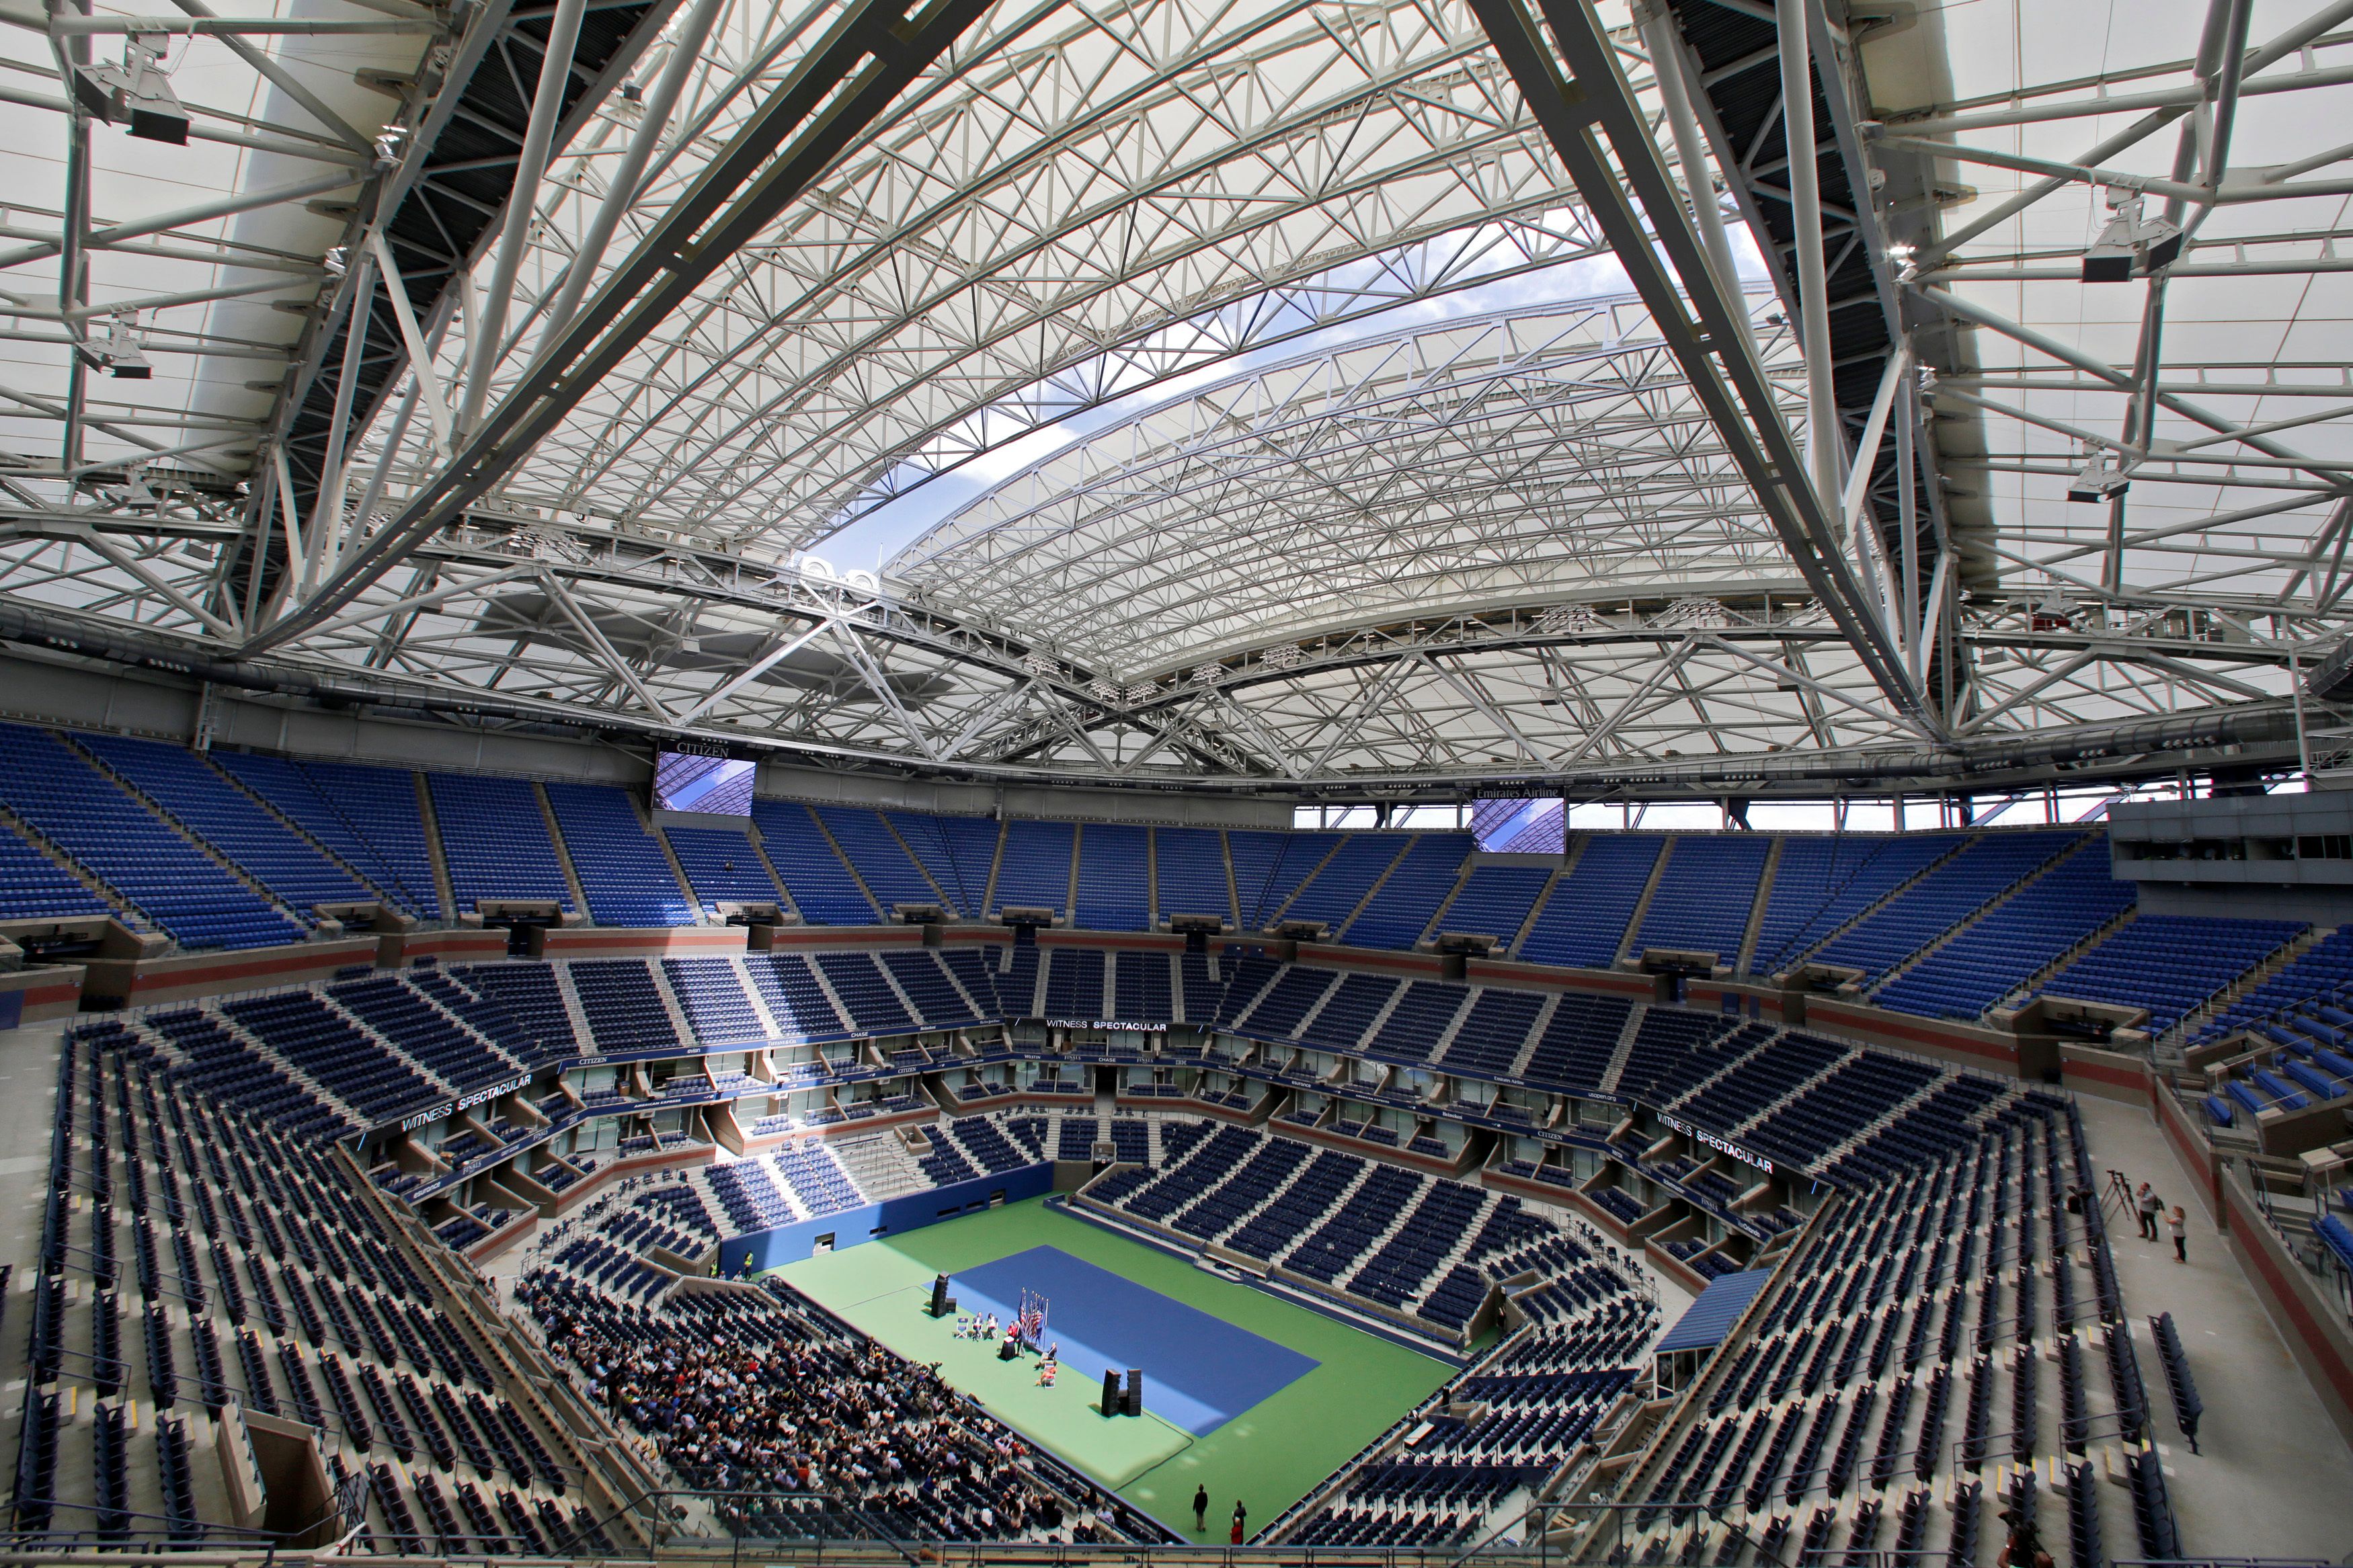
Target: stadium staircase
(1757, 907)
(760, 853)
(2198, 1017)
(305, 919)
(878, 1166)
(575, 1013)
(670, 1004)
(443, 888)
(1886, 1119)
(1617, 1067)
(316, 845)
(1642, 905)
(563, 854)
(2092, 843)
(123, 908)
(1889, 897)
(2019, 996)
(1518, 1066)
(677, 871)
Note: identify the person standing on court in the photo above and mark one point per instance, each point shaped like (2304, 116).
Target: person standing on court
(2150, 1206)
(1200, 1508)
(2178, 1224)
(1241, 1518)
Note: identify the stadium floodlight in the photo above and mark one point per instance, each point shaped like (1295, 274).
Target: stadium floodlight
(135, 94)
(2130, 242)
(118, 352)
(2100, 479)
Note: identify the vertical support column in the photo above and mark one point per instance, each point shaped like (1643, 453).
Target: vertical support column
(73, 261)
(489, 323)
(1823, 443)
(1659, 35)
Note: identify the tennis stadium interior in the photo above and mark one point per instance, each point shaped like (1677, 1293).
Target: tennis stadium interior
(1415, 782)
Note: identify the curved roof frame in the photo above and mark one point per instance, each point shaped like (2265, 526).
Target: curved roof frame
(1061, 208)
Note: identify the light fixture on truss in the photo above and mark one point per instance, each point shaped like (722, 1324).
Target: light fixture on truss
(2129, 242)
(2101, 478)
(118, 352)
(136, 94)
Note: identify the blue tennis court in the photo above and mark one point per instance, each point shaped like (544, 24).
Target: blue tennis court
(1199, 1371)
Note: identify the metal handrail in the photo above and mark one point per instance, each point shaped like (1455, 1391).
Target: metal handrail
(348, 1506)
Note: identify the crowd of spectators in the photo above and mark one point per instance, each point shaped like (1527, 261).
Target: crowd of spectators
(743, 1396)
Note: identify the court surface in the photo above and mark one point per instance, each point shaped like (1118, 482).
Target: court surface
(1246, 1395)
(1200, 1370)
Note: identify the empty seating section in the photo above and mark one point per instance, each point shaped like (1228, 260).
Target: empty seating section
(407, 1017)
(2019, 937)
(1415, 1026)
(2304, 1002)
(240, 1228)
(624, 1006)
(1114, 863)
(194, 795)
(1762, 1080)
(1276, 1014)
(1705, 895)
(939, 1004)
(33, 886)
(874, 1006)
(1268, 868)
(324, 1044)
(1074, 983)
(1017, 981)
(531, 997)
(2171, 964)
(1141, 988)
(960, 853)
(1579, 1042)
(1188, 867)
(494, 840)
(1409, 895)
(368, 817)
(710, 993)
(821, 886)
(1489, 1038)
(167, 878)
(882, 861)
(722, 866)
(1494, 902)
(1585, 920)
(1341, 1022)
(1668, 1045)
(1842, 1103)
(1819, 884)
(794, 997)
(1898, 1370)
(622, 866)
(1340, 884)
(1033, 869)
(1941, 898)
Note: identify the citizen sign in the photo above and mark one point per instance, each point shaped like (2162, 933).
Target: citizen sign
(1712, 1142)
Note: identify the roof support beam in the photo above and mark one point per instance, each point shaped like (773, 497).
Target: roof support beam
(1825, 451)
(1713, 351)
(486, 326)
(848, 78)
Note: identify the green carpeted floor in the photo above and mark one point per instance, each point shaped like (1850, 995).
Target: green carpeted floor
(1270, 1456)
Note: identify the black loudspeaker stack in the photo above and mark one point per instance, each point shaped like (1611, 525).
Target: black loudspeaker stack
(942, 1302)
(1133, 1403)
(1111, 1402)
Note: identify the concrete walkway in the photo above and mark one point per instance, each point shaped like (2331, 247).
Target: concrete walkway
(2276, 1477)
